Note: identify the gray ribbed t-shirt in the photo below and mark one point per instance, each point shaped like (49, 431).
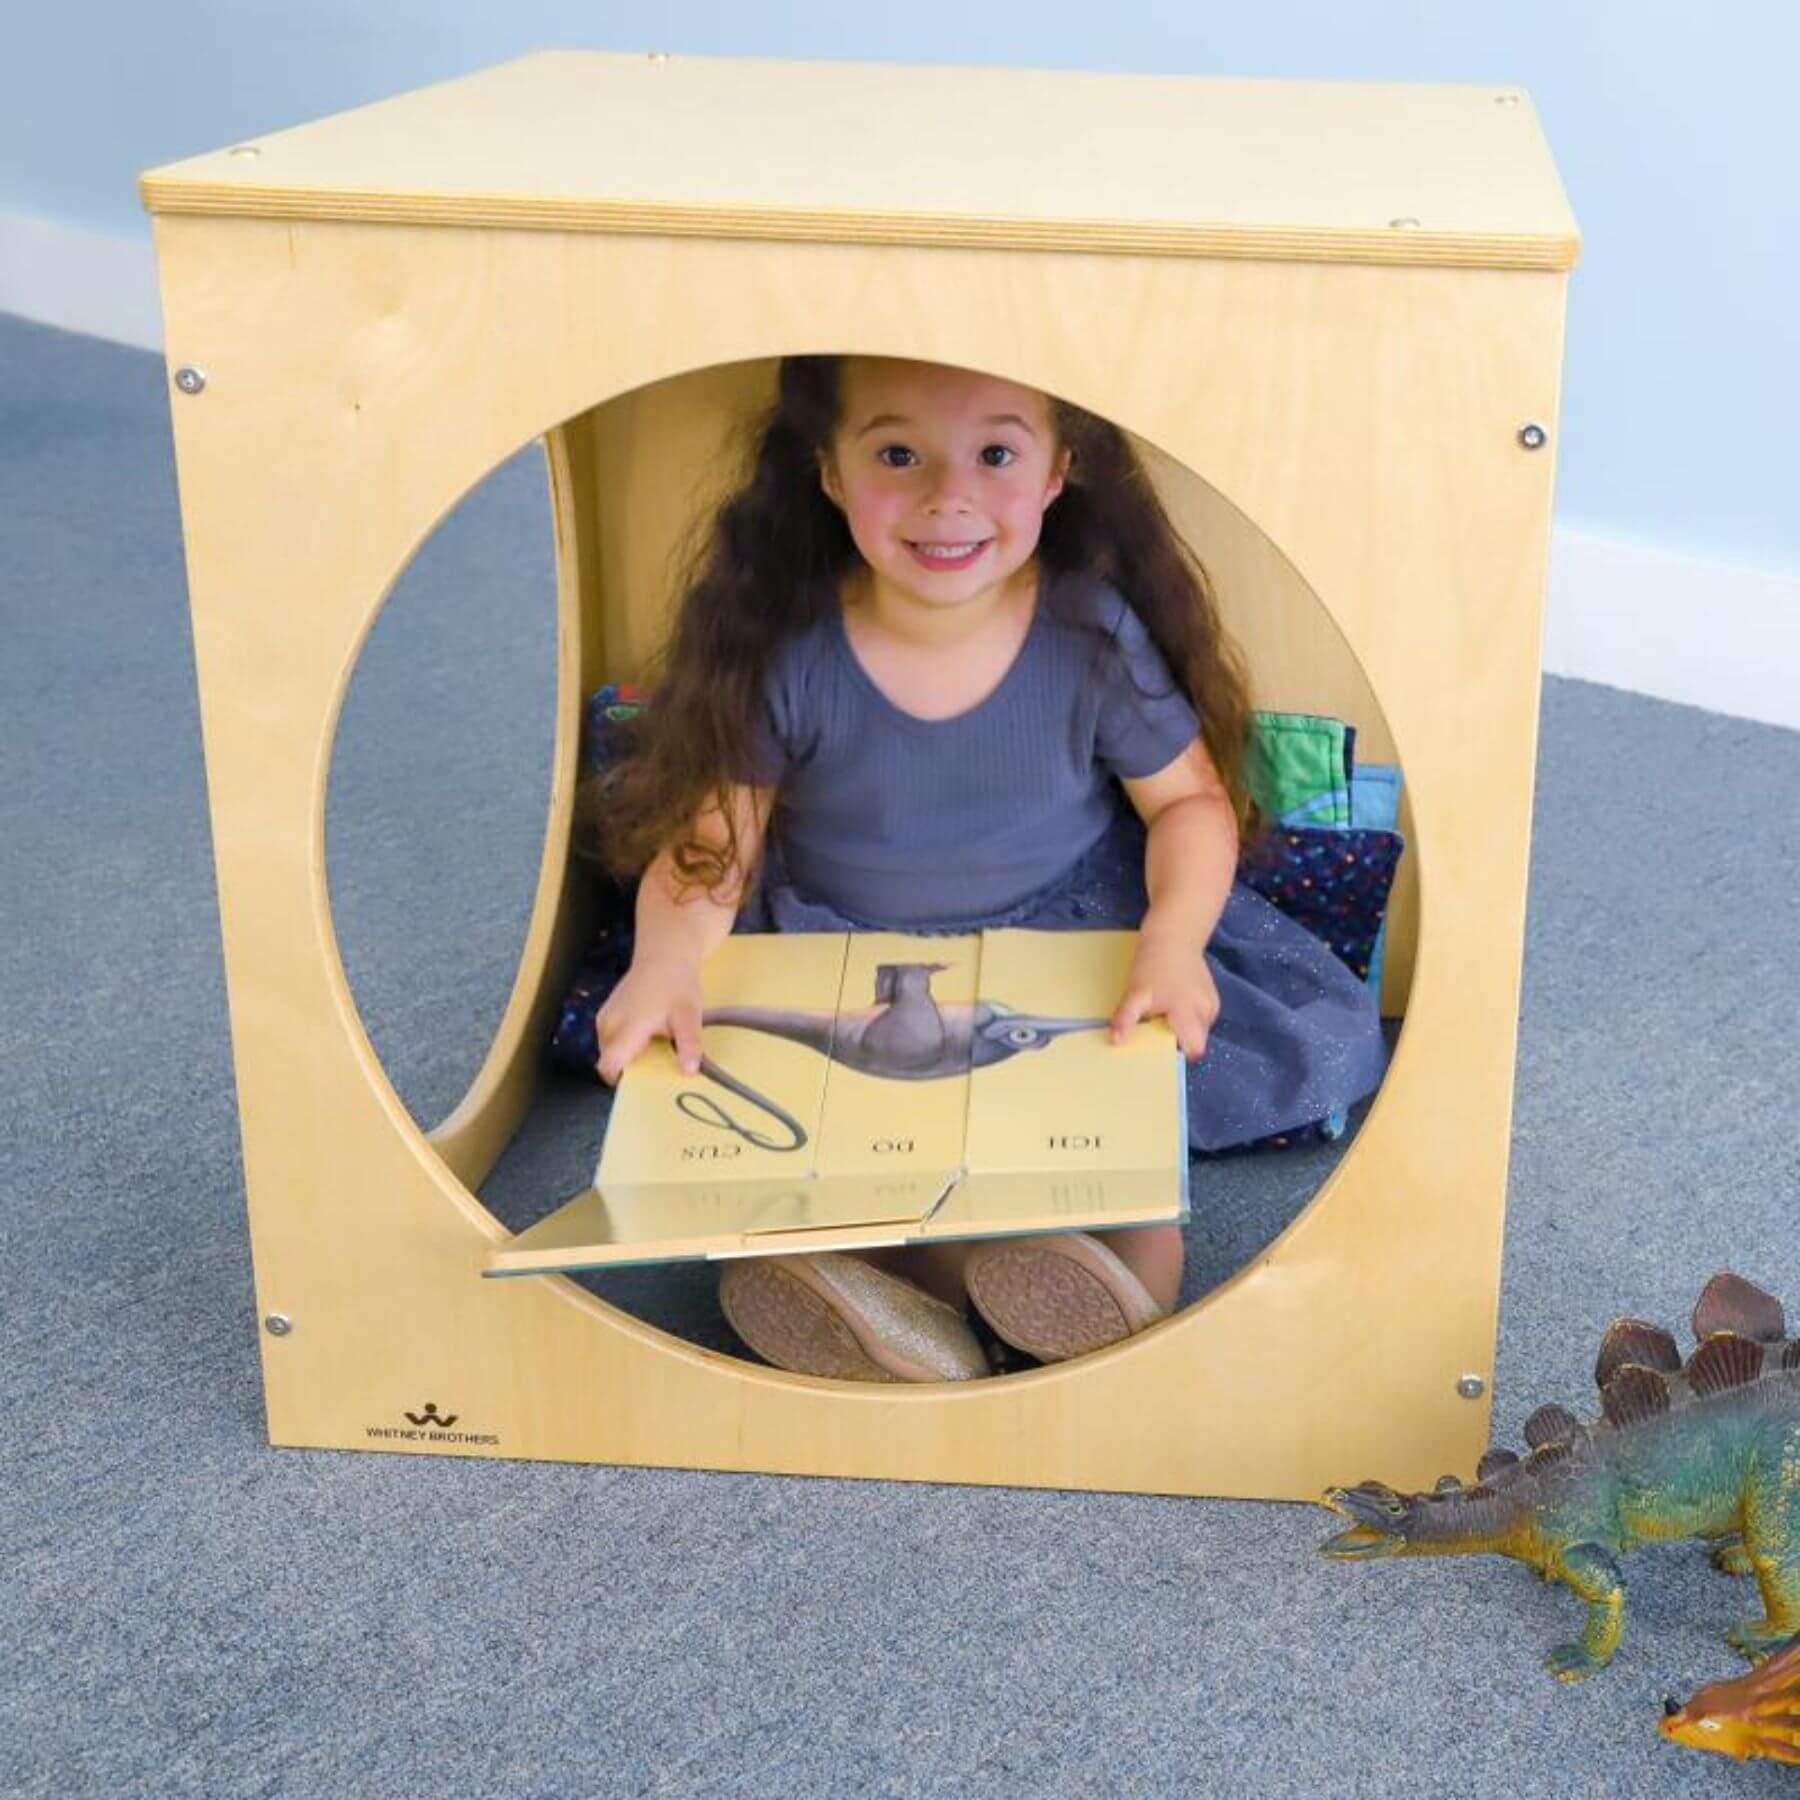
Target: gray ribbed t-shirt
(906, 821)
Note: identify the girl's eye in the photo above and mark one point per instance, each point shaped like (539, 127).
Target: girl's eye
(898, 456)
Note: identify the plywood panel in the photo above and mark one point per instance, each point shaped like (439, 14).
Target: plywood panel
(362, 377)
(1386, 172)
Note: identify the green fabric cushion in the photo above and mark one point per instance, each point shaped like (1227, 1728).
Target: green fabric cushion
(1298, 770)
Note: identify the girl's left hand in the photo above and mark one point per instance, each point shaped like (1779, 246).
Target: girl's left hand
(1169, 975)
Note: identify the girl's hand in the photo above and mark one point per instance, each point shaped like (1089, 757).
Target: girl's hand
(1169, 975)
(657, 998)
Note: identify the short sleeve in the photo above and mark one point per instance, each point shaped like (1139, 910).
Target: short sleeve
(768, 755)
(1145, 718)
(777, 727)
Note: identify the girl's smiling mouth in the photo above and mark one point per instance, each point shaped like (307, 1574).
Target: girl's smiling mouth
(947, 556)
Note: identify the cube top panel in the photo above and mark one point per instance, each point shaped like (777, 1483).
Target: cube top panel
(936, 156)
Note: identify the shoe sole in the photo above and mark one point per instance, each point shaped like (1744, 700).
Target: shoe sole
(806, 1316)
(1060, 1299)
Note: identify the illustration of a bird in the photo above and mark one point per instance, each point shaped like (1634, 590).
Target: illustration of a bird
(906, 1035)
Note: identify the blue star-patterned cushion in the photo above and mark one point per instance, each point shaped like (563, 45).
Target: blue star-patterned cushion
(1333, 880)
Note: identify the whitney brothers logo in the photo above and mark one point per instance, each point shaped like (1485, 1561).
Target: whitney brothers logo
(431, 1427)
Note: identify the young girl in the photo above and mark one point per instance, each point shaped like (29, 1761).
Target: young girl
(945, 664)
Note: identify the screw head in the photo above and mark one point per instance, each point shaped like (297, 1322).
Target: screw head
(1533, 437)
(1405, 224)
(244, 150)
(1471, 1387)
(278, 1324)
(189, 379)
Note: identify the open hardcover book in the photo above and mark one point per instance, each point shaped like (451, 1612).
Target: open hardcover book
(867, 1088)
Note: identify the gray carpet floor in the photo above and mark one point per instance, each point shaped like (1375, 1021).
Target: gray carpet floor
(190, 1613)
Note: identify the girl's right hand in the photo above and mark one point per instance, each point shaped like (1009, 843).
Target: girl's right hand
(657, 998)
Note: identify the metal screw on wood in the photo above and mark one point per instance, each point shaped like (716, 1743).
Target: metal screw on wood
(1471, 1387)
(1533, 437)
(189, 379)
(278, 1324)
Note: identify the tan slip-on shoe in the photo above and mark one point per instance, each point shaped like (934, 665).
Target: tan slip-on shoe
(1059, 1296)
(827, 1313)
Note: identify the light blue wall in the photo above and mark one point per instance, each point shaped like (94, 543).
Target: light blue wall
(1676, 129)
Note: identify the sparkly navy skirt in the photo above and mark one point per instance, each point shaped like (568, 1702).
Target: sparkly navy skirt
(1297, 1041)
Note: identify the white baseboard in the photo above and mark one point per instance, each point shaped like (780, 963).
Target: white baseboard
(1686, 628)
(1654, 621)
(100, 282)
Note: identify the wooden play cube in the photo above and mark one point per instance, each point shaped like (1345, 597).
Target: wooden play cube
(1330, 314)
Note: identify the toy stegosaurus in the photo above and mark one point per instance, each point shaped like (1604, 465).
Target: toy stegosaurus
(1708, 1450)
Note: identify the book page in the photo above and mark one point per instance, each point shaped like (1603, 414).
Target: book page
(1066, 1129)
(1049, 1089)
(753, 1112)
(900, 1064)
(884, 1088)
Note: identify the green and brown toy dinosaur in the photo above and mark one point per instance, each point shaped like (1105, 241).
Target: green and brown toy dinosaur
(1709, 1449)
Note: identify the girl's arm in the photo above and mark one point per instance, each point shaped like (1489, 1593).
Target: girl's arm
(676, 931)
(1190, 862)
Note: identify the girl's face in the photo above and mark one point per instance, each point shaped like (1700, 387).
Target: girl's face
(943, 475)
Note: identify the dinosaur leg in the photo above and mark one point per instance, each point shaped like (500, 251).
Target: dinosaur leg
(1729, 1556)
(1590, 1572)
(1772, 1543)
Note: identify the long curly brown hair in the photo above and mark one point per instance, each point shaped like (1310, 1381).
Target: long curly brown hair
(772, 562)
